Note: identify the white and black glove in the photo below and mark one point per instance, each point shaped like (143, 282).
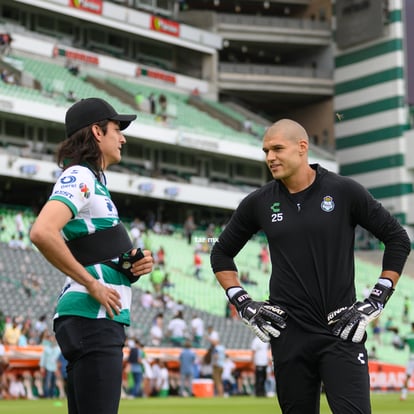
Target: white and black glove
(351, 323)
(264, 319)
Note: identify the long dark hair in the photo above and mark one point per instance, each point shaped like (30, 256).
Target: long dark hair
(82, 148)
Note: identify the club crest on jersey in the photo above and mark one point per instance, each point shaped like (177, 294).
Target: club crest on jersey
(327, 204)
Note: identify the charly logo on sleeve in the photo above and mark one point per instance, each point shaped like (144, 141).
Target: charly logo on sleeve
(327, 204)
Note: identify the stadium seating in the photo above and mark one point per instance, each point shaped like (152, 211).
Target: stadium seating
(184, 115)
(57, 81)
(204, 297)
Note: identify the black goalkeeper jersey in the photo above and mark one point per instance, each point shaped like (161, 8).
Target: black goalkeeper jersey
(311, 242)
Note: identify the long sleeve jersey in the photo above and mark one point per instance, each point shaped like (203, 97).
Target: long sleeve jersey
(311, 242)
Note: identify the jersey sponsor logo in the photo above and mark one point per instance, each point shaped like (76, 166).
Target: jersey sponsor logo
(84, 190)
(276, 215)
(63, 193)
(68, 179)
(327, 204)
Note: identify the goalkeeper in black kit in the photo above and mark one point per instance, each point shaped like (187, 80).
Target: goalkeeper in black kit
(312, 319)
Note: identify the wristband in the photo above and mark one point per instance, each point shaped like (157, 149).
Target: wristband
(381, 293)
(238, 297)
(386, 282)
(231, 291)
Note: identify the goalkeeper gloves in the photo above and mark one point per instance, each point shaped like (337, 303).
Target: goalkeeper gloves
(351, 323)
(264, 319)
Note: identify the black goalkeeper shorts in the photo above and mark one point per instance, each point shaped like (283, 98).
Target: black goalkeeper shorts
(305, 363)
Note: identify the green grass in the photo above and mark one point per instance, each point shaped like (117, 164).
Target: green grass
(381, 404)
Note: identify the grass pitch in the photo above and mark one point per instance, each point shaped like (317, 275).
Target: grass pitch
(381, 404)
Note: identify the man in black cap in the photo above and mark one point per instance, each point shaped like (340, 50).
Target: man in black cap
(95, 253)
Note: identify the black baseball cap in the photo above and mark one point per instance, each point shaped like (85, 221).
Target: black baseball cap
(91, 110)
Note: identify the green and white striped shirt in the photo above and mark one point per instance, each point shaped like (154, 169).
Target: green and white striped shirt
(93, 210)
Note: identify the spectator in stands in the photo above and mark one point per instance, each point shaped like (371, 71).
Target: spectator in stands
(16, 387)
(229, 382)
(247, 125)
(163, 107)
(406, 309)
(389, 325)
(71, 96)
(2, 225)
(197, 330)
(40, 327)
(157, 330)
(73, 68)
(177, 330)
(17, 243)
(25, 333)
(12, 333)
(2, 324)
(139, 100)
(94, 306)
(245, 279)
(148, 377)
(147, 299)
(169, 302)
(27, 380)
(136, 234)
(270, 384)
(49, 365)
(62, 375)
(372, 354)
(198, 264)
(397, 341)
(189, 227)
(212, 335)
(260, 360)
(195, 93)
(156, 372)
(377, 331)
(408, 341)
(19, 222)
(4, 364)
(218, 358)
(5, 43)
(136, 367)
(160, 257)
(162, 384)
(157, 278)
(152, 104)
(206, 366)
(8, 77)
(3, 75)
(187, 359)
(166, 283)
(231, 312)
(264, 258)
